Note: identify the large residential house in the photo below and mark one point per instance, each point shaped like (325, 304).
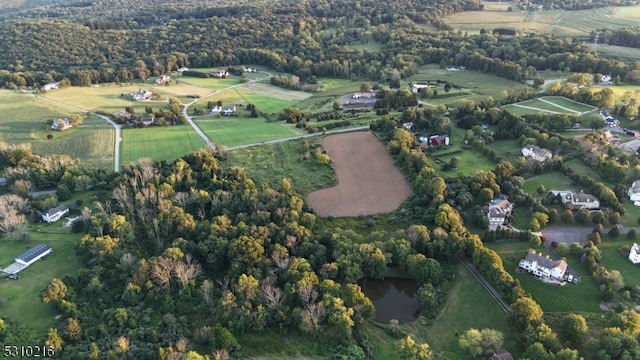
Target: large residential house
(163, 79)
(536, 153)
(221, 74)
(543, 266)
(578, 200)
(216, 110)
(54, 214)
(634, 193)
(51, 86)
(142, 95)
(228, 111)
(418, 88)
(634, 254)
(61, 124)
(497, 212)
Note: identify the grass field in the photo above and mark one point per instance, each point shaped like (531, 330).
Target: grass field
(508, 149)
(549, 104)
(570, 104)
(559, 22)
(551, 181)
(25, 118)
(211, 84)
(20, 298)
(269, 164)
(469, 160)
(613, 259)
(460, 312)
(241, 130)
(158, 143)
(551, 298)
(264, 102)
(478, 85)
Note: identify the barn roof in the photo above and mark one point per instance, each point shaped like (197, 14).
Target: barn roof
(34, 252)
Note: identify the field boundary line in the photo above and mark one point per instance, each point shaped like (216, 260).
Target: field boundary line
(536, 109)
(558, 106)
(490, 289)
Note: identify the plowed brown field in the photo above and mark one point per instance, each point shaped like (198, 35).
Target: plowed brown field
(368, 181)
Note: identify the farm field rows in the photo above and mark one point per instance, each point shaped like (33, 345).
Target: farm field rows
(23, 293)
(552, 298)
(158, 143)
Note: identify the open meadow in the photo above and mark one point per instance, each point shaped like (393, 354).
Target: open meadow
(468, 305)
(158, 143)
(614, 259)
(269, 164)
(24, 120)
(552, 298)
(551, 105)
(559, 22)
(19, 299)
(267, 98)
(552, 180)
(233, 131)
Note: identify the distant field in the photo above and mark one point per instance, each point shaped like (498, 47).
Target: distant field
(619, 51)
(613, 259)
(158, 143)
(20, 298)
(23, 119)
(559, 22)
(552, 298)
(211, 83)
(269, 164)
(549, 104)
(231, 131)
(268, 90)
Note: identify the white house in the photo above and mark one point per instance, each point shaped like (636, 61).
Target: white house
(163, 79)
(183, 69)
(543, 266)
(216, 110)
(407, 125)
(229, 111)
(634, 254)
(417, 88)
(634, 193)
(221, 74)
(497, 211)
(61, 124)
(536, 153)
(249, 69)
(27, 258)
(578, 200)
(51, 86)
(142, 95)
(54, 214)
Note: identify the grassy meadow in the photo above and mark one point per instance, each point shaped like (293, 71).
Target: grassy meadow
(269, 164)
(19, 299)
(551, 181)
(614, 259)
(233, 131)
(241, 97)
(158, 143)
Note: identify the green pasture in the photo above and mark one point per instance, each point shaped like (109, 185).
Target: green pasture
(570, 104)
(509, 150)
(613, 259)
(552, 180)
(212, 83)
(470, 161)
(269, 164)
(477, 84)
(467, 305)
(19, 299)
(107, 97)
(519, 111)
(24, 118)
(239, 96)
(583, 297)
(158, 143)
(543, 106)
(233, 131)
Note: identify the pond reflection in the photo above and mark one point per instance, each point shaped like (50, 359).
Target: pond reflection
(394, 298)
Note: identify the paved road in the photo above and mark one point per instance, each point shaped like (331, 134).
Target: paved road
(117, 127)
(493, 292)
(566, 234)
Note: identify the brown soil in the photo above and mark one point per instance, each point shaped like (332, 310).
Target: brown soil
(368, 181)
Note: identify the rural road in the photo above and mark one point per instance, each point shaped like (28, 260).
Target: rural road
(117, 127)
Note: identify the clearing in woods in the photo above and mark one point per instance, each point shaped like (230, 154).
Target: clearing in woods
(368, 181)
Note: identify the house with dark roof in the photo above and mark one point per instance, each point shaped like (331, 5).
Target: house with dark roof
(543, 266)
(501, 355)
(439, 140)
(228, 111)
(577, 200)
(27, 258)
(54, 214)
(536, 153)
(497, 212)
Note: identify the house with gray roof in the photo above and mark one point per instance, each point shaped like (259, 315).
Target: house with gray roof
(536, 153)
(27, 258)
(54, 214)
(543, 266)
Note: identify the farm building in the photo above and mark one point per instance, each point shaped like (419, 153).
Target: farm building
(634, 193)
(54, 214)
(61, 124)
(27, 258)
(439, 140)
(359, 100)
(141, 95)
(634, 254)
(163, 79)
(543, 266)
(182, 69)
(419, 88)
(221, 74)
(536, 153)
(51, 86)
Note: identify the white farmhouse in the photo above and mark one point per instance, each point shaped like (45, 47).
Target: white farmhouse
(497, 211)
(536, 153)
(54, 214)
(634, 254)
(542, 266)
(634, 193)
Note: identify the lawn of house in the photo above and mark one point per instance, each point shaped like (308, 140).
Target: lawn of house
(614, 259)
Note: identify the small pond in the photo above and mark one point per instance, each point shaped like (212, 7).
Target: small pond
(394, 298)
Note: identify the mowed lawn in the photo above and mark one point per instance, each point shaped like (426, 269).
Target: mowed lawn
(584, 296)
(232, 131)
(241, 97)
(158, 143)
(20, 298)
(568, 103)
(552, 180)
(468, 305)
(269, 164)
(614, 259)
(213, 84)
